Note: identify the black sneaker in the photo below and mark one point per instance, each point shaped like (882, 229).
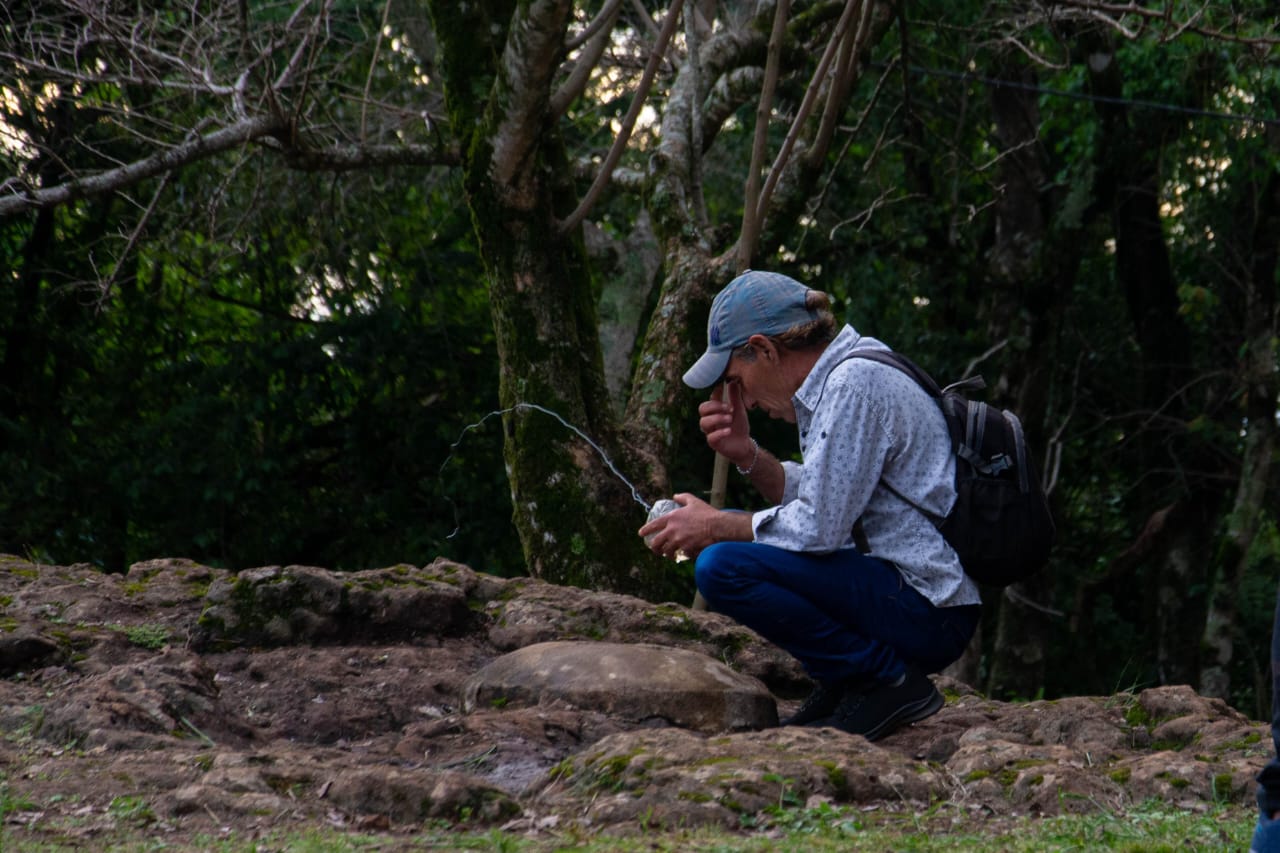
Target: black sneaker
(822, 703)
(877, 711)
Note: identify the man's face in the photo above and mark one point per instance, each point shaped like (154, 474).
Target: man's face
(762, 384)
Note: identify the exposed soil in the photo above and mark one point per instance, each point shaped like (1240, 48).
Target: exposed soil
(191, 703)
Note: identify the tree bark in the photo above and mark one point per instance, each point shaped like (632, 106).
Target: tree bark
(1258, 378)
(576, 518)
(1129, 187)
(1018, 280)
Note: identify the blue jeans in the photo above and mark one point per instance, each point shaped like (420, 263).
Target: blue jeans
(842, 615)
(1266, 835)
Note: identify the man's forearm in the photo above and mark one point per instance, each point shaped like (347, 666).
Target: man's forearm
(732, 527)
(767, 476)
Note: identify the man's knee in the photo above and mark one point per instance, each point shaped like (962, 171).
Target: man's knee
(715, 568)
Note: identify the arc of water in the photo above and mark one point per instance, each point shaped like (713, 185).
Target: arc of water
(635, 494)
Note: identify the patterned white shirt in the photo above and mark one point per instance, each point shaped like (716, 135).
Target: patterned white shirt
(862, 422)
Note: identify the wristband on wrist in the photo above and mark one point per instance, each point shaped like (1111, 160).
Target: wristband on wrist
(746, 472)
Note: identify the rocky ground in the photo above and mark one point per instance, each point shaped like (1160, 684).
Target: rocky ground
(196, 702)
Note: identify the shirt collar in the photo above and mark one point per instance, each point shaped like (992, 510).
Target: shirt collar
(810, 391)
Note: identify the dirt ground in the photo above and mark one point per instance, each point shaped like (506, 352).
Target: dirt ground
(190, 704)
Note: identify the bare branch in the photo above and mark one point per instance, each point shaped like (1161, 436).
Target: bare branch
(1034, 55)
(883, 200)
(351, 157)
(223, 139)
(816, 85)
(574, 219)
(693, 40)
(148, 93)
(304, 46)
(820, 199)
(751, 193)
(992, 350)
(109, 284)
(1111, 14)
(373, 63)
(587, 60)
(655, 32)
(604, 19)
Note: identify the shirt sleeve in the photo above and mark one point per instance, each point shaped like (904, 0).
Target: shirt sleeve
(845, 447)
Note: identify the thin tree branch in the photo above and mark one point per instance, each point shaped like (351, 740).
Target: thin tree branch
(1110, 14)
(642, 13)
(586, 61)
(816, 85)
(574, 219)
(109, 284)
(348, 158)
(846, 71)
(764, 109)
(693, 44)
(604, 19)
(223, 139)
(373, 63)
(304, 46)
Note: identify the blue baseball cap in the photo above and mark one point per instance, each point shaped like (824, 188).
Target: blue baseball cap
(754, 303)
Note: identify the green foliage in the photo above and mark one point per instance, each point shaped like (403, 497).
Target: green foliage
(290, 397)
(132, 810)
(818, 829)
(146, 636)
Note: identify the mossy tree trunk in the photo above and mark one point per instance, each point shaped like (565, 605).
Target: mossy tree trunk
(576, 519)
(1256, 376)
(1017, 280)
(502, 63)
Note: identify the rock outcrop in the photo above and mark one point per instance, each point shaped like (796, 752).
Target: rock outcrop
(386, 698)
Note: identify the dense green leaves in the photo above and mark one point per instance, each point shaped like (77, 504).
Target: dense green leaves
(289, 397)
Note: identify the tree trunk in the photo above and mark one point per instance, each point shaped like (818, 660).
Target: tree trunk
(1017, 279)
(1257, 371)
(576, 518)
(581, 527)
(1129, 185)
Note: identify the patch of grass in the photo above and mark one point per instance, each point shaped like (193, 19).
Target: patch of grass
(824, 827)
(132, 810)
(1251, 739)
(1174, 781)
(32, 720)
(153, 637)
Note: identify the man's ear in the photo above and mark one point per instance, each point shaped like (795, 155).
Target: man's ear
(765, 348)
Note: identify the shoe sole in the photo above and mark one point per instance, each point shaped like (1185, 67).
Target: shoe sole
(907, 714)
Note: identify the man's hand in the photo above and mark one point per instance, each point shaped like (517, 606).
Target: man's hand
(693, 527)
(723, 420)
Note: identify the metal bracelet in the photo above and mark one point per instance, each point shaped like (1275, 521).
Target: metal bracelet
(746, 472)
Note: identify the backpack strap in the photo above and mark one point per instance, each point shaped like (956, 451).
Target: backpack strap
(900, 361)
(925, 381)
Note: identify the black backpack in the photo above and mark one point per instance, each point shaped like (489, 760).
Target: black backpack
(1000, 524)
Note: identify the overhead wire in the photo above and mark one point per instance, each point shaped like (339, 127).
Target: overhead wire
(970, 77)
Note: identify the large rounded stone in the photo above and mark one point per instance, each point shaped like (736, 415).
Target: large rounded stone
(640, 682)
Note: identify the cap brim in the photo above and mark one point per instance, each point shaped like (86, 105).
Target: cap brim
(707, 370)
